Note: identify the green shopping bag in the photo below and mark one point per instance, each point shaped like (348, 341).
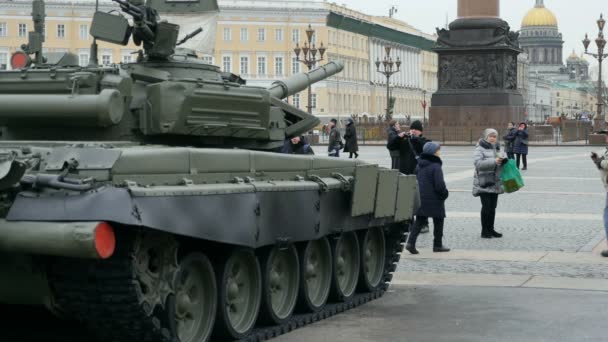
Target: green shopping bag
(511, 177)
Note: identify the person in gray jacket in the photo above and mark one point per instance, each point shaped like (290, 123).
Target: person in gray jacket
(488, 161)
(602, 164)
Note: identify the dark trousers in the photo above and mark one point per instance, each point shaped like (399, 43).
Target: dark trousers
(437, 230)
(395, 163)
(350, 156)
(525, 160)
(488, 212)
(510, 155)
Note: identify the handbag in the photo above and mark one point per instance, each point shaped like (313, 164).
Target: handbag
(524, 141)
(511, 177)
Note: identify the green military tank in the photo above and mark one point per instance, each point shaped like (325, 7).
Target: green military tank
(144, 200)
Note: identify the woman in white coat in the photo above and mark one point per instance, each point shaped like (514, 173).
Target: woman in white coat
(488, 161)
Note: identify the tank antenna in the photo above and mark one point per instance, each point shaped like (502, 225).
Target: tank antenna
(93, 60)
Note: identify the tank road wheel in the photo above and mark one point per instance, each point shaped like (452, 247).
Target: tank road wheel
(315, 279)
(346, 264)
(195, 299)
(280, 284)
(373, 250)
(240, 293)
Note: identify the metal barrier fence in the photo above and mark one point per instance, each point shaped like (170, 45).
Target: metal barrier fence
(567, 134)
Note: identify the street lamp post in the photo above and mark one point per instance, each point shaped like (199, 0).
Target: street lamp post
(424, 107)
(601, 43)
(388, 71)
(309, 57)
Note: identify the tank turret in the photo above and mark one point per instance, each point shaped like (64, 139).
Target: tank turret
(168, 96)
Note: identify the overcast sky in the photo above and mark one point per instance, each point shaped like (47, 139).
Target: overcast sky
(575, 17)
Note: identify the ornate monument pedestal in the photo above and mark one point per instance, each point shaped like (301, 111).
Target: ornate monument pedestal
(477, 70)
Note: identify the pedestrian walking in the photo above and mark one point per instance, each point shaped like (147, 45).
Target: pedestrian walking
(510, 140)
(487, 184)
(520, 145)
(393, 143)
(433, 194)
(296, 145)
(350, 139)
(602, 165)
(335, 142)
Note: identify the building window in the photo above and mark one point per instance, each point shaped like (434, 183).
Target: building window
(278, 66)
(278, 34)
(208, 59)
(261, 34)
(22, 30)
(61, 31)
(296, 100)
(227, 63)
(295, 35)
(227, 34)
(295, 65)
(127, 58)
(106, 57)
(84, 32)
(244, 34)
(261, 65)
(83, 59)
(244, 65)
(3, 60)
(313, 100)
(3, 32)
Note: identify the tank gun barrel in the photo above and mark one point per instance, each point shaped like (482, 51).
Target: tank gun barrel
(299, 82)
(130, 9)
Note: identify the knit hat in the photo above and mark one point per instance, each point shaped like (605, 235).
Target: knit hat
(430, 148)
(489, 131)
(334, 121)
(417, 125)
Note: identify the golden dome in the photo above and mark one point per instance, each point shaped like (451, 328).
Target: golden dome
(539, 16)
(573, 56)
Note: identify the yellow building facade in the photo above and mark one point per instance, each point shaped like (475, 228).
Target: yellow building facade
(66, 30)
(256, 40)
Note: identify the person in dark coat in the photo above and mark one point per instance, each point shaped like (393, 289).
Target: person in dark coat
(510, 140)
(335, 142)
(296, 145)
(393, 143)
(520, 145)
(433, 193)
(350, 139)
(410, 148)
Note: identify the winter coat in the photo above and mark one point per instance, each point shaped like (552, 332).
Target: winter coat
(393, 142)
(487, 173)
(431, 184)
(408, 158)
(300, 148)
(510, 140)
(603, 167)
(334, 139)
(520, 145)
(350, 139)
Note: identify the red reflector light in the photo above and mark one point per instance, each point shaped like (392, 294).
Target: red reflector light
(20, 60)
(105, 240)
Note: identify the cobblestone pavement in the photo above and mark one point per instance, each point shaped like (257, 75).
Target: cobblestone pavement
(558, 210)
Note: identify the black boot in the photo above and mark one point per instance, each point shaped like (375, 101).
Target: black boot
(440, 249)
(411, 248)
(495, 234)
(605, 253)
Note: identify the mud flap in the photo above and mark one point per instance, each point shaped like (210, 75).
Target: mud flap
(386, 196)
(364, 190)
(408, 199)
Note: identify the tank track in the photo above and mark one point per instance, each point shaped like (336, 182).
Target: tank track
(111, 298)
